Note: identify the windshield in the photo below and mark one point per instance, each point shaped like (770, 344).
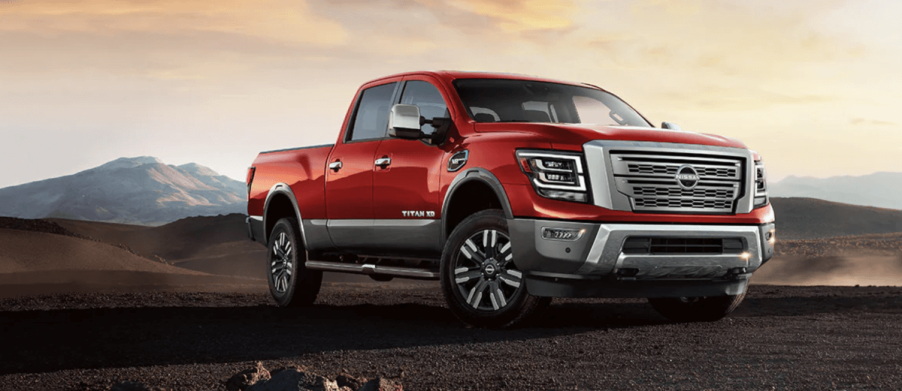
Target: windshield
(498, 100)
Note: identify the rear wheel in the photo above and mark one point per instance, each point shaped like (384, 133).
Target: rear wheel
(696, 309)
(291, 284)
(481, 284)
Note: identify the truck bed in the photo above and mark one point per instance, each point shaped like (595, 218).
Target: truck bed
(304, 168)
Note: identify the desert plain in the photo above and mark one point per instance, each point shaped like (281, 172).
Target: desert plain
(184, 306)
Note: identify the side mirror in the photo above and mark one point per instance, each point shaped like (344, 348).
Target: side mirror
(404, 122)
(670, 125)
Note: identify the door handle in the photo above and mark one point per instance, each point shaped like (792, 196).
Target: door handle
(383, 162)
(335, 166)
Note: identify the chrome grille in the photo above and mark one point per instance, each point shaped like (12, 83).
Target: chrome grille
(648, 179)
(664, 191)
(652, 169)
(671, 169)
(652, 203)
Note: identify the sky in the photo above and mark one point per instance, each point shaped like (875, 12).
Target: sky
(813, 85)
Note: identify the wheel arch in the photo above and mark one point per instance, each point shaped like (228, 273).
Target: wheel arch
(465, 186)
(281, 202)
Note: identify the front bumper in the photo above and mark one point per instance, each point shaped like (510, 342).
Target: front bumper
(596, 266)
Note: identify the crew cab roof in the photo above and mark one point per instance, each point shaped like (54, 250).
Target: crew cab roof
(450, 76)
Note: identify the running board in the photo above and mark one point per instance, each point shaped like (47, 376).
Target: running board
(367, 268)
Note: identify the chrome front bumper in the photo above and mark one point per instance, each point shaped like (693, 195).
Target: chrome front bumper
(598, 256)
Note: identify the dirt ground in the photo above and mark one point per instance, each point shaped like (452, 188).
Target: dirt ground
(85, 305)
(780, 338)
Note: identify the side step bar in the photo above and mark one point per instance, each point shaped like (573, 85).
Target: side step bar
(367, 268)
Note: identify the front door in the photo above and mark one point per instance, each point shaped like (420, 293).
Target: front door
(406, 202)
(349, 170)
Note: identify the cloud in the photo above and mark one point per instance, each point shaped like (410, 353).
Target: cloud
(872, 122)
(773, 73)
(486, 19)
(521, 15)
(277, 20)
(714, 97)
(728, 38)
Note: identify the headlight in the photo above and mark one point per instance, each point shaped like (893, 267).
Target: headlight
(760, 184)
(555, 175)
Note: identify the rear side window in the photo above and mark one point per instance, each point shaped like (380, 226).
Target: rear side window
(428, 99)
(371, 117)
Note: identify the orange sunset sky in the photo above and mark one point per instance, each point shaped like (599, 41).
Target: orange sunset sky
(814, 85)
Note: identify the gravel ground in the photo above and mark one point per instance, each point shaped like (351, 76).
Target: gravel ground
(878, 244)
(780, 338)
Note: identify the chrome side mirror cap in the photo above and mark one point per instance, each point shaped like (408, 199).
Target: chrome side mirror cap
(404, 122)
(670, 125)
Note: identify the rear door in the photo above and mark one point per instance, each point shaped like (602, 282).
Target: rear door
(349, 171)
(406, 202)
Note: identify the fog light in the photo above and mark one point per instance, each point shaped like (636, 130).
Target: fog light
(564, 195)
(745, 256)
(771, 236)
(564, 234)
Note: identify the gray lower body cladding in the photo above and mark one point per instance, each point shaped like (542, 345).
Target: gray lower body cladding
(255, 230)
(597, 264)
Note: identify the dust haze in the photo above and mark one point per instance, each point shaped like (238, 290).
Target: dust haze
(846, 270)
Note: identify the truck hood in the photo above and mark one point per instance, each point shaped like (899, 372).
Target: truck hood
(568, 136)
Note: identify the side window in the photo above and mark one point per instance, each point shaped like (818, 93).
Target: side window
(428, 99)
(593, 111)
(371, 118)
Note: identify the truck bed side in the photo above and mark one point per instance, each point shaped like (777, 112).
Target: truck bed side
(301, 169)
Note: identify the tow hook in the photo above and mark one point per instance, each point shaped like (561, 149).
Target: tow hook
(627, 274)
(737, 273)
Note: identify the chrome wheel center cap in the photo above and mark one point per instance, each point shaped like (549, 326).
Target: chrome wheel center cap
(490, 269)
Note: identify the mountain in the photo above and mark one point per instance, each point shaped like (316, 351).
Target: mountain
(141, 190)
(808, 218)
(209, 244)
(881, 189)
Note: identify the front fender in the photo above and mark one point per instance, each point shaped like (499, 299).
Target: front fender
(470, 175)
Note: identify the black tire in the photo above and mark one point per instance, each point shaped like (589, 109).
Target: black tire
(503, 301)
(696, 309)
(291, 284)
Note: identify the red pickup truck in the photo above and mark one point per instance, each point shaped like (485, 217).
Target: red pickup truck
(513, 190)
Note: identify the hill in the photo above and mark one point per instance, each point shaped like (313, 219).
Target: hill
(141, 190)
(41, 257)
(214, 244)
(26, 251)
(808, 218)
(881, 189)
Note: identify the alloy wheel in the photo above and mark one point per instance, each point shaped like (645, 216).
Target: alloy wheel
(484, 271)
(281, 267)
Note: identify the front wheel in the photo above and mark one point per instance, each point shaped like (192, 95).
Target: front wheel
(291, 284)
(481, 284)
(696, 309)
